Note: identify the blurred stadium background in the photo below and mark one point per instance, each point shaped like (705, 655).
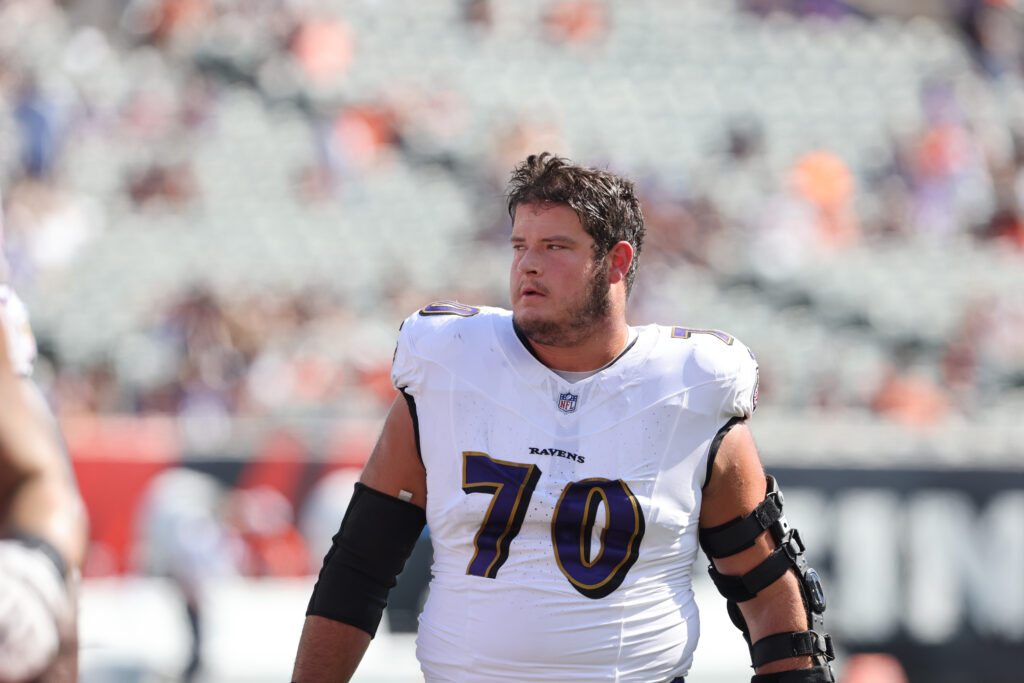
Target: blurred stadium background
(218, 211)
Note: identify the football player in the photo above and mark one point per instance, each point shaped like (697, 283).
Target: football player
(43, 528)
(569, 466)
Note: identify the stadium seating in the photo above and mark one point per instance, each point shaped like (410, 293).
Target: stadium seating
(397, 220)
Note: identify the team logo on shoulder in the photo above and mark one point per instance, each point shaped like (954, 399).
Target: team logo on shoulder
(567, 402)
(449, 308)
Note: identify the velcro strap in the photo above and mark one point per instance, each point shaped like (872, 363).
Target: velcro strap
(742, 532)
(817, 674)
(791, 644)
(746, 587)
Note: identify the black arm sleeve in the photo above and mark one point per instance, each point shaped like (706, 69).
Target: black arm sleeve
(376, 537)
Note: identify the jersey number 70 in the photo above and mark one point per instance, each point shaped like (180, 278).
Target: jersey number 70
(595, 575)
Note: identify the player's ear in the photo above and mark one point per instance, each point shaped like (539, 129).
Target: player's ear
(620, 257)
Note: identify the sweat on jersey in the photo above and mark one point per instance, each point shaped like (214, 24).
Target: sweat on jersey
(563, 515)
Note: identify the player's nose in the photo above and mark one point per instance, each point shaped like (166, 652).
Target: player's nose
(529, 263)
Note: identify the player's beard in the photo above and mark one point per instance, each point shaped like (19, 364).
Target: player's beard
(582, 317)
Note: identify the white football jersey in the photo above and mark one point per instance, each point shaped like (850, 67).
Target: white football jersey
(21, 343)
(563, 515)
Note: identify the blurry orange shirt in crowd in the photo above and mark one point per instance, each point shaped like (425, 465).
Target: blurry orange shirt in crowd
(173, 16)
(873, 667)
(323, 48)
(576, 21)
(913, 401)
(825, 181)
(364, 133)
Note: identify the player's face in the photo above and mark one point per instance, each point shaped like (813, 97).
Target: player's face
(559, 292)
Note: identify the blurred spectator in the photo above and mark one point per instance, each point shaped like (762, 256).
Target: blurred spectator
(47, 225)
(1004, 347)
(1007, 222)
(165, 24)
(322, 47)
(994, 30)
(946, 166)
(265, 522)
(524, 135)
(181, 534)
(823, 180)
(170, 183)
(679, 227)
(38, 120)
(910, 398)
(961, 358)
(576, 22)
(1007, 226)
(873, 668)
(361, 137)
(980, 359)
(477, 15)
(323, 509)
(786, 233)
(810, 216)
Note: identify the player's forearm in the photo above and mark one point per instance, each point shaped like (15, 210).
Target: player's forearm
(329, 651)
(47, 506)
(39, 491)
(777, 609)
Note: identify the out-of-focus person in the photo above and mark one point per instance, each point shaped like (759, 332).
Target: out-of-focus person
(873, 667)
(43, 524)
(182, 535)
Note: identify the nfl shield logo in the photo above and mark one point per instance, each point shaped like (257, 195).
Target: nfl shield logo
(567, 402)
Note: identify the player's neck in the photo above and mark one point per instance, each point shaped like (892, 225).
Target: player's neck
(593, 352)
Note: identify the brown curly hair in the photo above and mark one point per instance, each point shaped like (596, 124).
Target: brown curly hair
(605, 203)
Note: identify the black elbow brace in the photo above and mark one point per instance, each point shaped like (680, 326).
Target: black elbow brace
(740, 534)
(376, 537)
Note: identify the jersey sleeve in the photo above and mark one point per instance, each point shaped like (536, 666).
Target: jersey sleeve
(21, 343)
(741, 390)
(406, 368)
(725, 369)
(432, 335)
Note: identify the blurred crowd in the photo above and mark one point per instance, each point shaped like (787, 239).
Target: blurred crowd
(152, 76)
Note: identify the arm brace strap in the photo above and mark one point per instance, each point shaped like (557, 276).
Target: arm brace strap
(746, 587)
(376, 537)
(741, 533)
(792, 644)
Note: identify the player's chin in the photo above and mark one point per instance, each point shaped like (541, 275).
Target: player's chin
(535, 324)
(529, 313)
